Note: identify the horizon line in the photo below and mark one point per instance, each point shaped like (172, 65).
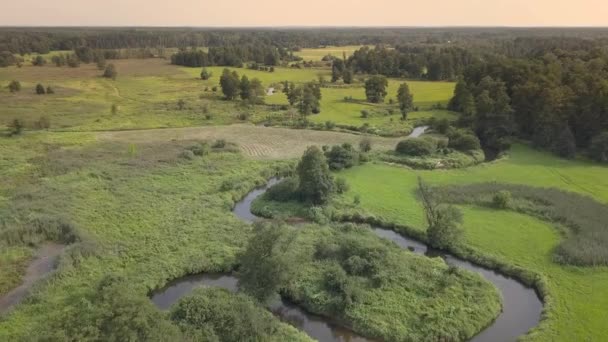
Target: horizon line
(316, 26)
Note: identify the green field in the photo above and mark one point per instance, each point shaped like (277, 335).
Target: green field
(147, 211)
(120, 195)
(578, 293)
(147, 92)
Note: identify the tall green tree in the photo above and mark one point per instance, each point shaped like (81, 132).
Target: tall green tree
(405, 99)
(337, 69)
(230, 83)
(375, 89)
(444, 221)
(256, 92)
(264, 265)
(316, 182)
(493, 122)
(244, 86)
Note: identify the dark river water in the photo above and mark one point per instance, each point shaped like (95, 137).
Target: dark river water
(521, 306)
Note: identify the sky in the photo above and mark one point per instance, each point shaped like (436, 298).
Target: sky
(304, 13)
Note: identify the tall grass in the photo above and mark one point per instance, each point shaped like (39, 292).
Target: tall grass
(584, 219)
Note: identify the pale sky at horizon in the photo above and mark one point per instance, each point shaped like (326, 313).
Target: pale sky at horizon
(304, 13)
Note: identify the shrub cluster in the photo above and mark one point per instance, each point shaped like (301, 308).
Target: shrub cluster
(415, 147)
(341, 156)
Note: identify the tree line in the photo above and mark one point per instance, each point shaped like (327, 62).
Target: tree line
(559, 100)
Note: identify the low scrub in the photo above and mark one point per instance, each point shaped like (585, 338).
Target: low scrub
(214, 314)
(347, 272)
(415, 147)
(445, 158)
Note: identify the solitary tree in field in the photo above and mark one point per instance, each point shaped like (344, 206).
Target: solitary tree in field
(110, 71)
(39, 61)
(230, 83)
(375, 89)
(347, 76)
(406, 100)
(40, 89)
(264, 265)
(316, 181)
(443, 230)
(205, 74)
(14, 86)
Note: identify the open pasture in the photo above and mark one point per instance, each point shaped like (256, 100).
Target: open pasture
(577, 292)
(147, 94)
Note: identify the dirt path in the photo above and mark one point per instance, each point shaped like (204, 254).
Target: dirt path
(42, 265)
(254, 141)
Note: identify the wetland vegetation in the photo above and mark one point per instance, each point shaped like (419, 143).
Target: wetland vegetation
(123, 154)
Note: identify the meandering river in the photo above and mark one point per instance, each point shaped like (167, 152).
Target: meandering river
(521, 306)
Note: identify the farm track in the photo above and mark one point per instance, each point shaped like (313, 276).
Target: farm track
(254, 141)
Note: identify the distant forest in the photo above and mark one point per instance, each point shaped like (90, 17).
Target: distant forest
(549, 85)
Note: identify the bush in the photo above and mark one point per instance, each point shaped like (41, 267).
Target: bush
(219, 143)
(285, 190)
(364, 114)
(317, 215)
(415, 147)
(464, 142)
(342, 157)
(445, 230)
(201, 149)
(502, 199)
(43, 123)
(341, 186)
(330, 125)
(599, 147)
(208, 311)
(205, 75)
(187, 154)
(50, 90)
(110, 72)
(365, 145)
(14, 86)
(40, 89)
(38, 61)
(442, 126)
(243, 116)
(15, 127)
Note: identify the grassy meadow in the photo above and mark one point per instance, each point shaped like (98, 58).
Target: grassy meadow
(148, 211)
(520, 240)
(119, 195)
(147, 92)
